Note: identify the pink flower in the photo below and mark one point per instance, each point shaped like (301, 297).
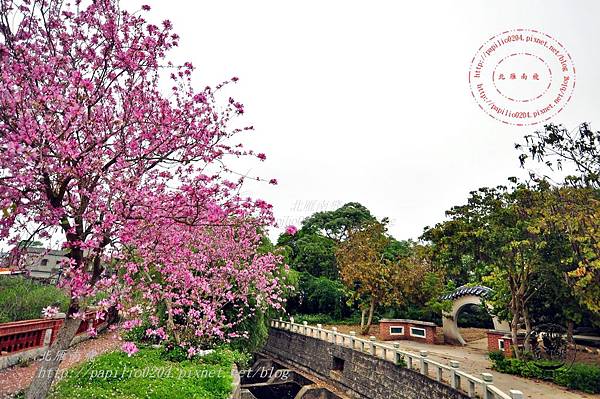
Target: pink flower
(131, 324)
(191, 352)
(146, 7)
(261, 156)
(159, 332)
(130, 348)
(273, 182)
(49, 312)
(291, 230)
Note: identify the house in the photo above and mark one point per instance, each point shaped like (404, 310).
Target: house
(44, 264)
(38, 263)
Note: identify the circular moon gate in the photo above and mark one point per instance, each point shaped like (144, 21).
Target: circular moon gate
(460, 298)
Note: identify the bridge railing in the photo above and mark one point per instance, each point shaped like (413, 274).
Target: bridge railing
(450, 374)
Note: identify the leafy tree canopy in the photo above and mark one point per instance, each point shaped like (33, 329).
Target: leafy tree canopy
(338, 224)
(556, 147)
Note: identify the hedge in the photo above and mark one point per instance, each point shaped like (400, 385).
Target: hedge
(580, 376)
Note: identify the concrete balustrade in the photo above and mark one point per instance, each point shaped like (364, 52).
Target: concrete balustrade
(454, 376)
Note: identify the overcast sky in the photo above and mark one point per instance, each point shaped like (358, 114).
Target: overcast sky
(369, 101)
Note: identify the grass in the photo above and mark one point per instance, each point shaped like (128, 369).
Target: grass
(147, 374)
(24, 299)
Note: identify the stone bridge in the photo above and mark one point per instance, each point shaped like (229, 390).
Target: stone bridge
(334, 365)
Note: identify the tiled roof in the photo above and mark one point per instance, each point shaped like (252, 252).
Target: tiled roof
(478, 290)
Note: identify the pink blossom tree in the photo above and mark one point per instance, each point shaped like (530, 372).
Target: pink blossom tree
(93, 149)
(208, 276)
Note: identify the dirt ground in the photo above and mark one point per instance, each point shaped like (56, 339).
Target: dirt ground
(18, 378)
(345, 329)
(473, 334)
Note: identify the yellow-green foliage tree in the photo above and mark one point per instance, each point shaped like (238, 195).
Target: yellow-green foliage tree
(375, 280)
(574, 206)
(575, 211)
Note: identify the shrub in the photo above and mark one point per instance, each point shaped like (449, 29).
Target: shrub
(400, 362)
(320, 318)
(496, 356)
(313, 319)
(225, 355)
(24, 299)
(579, 376)
(173, 353)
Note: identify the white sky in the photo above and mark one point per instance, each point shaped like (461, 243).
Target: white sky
(369, 101)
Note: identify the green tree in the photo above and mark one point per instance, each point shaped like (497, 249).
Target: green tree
(312, 248)
(338, 224)
(497, 230)
(574, 214)
(573, 207)
(319, 295)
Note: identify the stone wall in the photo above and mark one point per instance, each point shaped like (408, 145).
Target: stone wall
(359, 375)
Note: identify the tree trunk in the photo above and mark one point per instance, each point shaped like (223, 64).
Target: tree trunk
(40, 386)
(170, 322)
(363, 314)
(365, 329)
(570, 328)
(514, 333)
(527, 343)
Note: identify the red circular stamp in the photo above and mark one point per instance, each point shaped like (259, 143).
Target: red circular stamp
(522, 77)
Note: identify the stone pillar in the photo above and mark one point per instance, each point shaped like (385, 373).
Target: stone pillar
(334, 335)
(514, 394)
(454, 378)
(319, 328)
(305, 323)
(424, 365)
(47, 337)
(397, 355)
(373, 347)
(488, 379)
(352, 338)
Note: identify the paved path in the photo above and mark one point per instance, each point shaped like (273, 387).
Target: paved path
(17, 378)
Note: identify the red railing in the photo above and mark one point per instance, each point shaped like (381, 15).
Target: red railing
(85, 324)
(28, 334)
